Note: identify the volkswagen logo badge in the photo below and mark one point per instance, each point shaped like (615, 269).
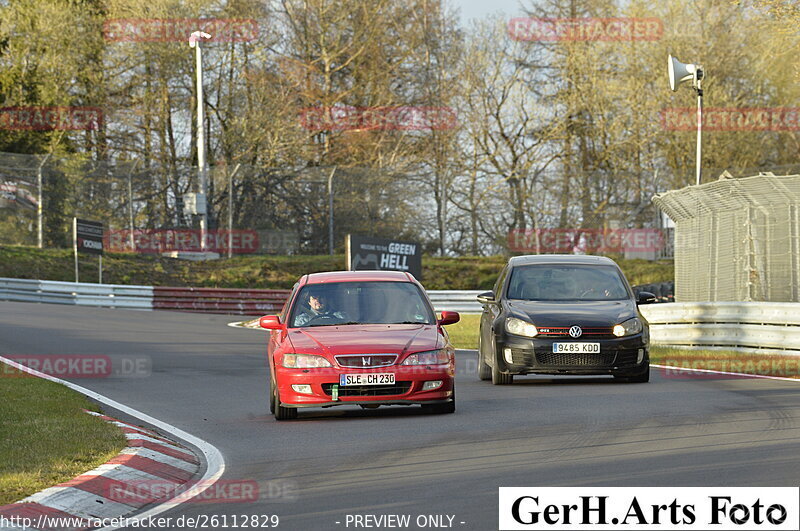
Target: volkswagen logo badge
(575, 331)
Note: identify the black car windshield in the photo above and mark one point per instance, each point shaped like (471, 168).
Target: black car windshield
(372, 302)
(566, 283)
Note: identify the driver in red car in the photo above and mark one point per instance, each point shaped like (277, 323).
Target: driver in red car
(317, 306)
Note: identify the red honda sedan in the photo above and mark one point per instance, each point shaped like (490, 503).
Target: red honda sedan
(369, 338)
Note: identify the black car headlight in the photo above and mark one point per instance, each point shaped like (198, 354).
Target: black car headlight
(518, 327)
(628, 328)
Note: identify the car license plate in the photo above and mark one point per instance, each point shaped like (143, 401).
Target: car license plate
(580, 348)
(367, 379)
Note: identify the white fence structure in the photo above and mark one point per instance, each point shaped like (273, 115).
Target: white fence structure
(77, 293)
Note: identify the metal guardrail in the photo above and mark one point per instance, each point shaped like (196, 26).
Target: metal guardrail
(77, 293)
(205, 300)
(220, 300)
(463, 301)
(737, 325)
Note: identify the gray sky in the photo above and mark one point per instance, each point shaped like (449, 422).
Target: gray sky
(481, 8)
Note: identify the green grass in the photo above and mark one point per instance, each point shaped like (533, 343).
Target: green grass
(786, 366)
(464, 334)
(45, 437)
(261, 271)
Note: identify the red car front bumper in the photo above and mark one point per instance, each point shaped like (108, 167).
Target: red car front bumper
(409, 381)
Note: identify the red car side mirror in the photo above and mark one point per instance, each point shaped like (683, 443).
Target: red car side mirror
(270, 322)
(449, 318)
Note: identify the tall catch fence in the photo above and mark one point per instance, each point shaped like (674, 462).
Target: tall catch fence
(737, 239)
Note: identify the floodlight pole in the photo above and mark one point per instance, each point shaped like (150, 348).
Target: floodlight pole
(194, 42)
(130, 207)
(698, 166)
(39, 206)
(330, 211)
(230, 210)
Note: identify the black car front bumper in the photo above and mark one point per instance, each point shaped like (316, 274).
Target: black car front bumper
(626, 356)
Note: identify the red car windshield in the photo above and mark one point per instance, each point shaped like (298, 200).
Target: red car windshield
(373, 302)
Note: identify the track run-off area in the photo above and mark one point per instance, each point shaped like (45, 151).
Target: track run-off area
(194, 372)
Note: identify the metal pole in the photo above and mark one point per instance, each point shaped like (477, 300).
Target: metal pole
(201, 148)
(130, 206)
(100, 269)
(230, 210)
(75, 245)
(330, 211)
(699, 131)
(39, 206)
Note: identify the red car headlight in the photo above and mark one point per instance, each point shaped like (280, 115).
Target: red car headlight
(430, 357)
(304, 361)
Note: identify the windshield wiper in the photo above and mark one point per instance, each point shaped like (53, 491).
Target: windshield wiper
(412, 322)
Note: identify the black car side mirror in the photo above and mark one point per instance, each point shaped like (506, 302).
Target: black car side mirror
(645, 297)
(486, 297)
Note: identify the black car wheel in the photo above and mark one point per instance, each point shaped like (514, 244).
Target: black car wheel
(283, 413)
(642, 377)
(484, 370)
(271, 396)
(442, 408)
(498, 378)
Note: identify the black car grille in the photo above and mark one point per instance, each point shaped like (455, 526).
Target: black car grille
(563, 331)
(627, 357)
(546, 357)
(399, 388)
(575, 359)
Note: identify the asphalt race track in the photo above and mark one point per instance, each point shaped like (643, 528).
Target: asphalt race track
(211, 380)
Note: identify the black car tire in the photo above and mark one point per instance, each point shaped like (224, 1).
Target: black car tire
(498, 378)
(441, 408)
(271, 396)
(484, 370)
(283, 413)
(642, 377)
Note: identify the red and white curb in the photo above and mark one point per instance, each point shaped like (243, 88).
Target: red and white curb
(148, 457)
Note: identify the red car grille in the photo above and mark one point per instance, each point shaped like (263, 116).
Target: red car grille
(399, 388)
(366, 360)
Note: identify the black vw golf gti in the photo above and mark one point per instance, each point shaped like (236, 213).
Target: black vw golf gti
(563, 314)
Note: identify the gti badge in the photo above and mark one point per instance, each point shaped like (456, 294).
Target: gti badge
(575, 331)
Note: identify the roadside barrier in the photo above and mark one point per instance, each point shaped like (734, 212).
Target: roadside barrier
(220, 300)
(201, 300)
(763, 326)
(77, 293)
